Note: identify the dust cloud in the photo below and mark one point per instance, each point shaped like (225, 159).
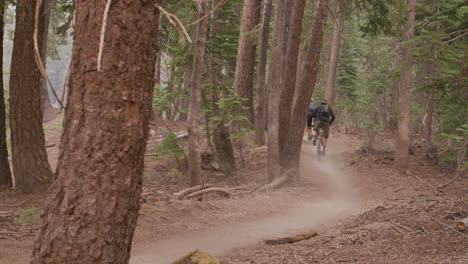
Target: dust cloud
(336, 201)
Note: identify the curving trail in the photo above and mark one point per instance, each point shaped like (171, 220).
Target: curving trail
(336, 201)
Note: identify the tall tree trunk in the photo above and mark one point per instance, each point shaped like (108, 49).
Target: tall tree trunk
(406, 77)
(5, 173)
(31, 168)
(195, 96)
(260, 113)
(245, 66)
(92, 209)
(305, 87)
(334, 54)
(274, 93)
(293, 41)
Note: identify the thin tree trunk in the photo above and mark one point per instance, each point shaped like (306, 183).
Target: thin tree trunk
(260, 113)
(221, 134)
(155, 113)
(293, 41)
(5, 173)
(92, 209)
(185, 95)
(245, 65)
(31, 168)
(274, 84)
(334, 55)
(430, 99)
(406, 77)
(49, 112)
(305, 87)
(195, 96)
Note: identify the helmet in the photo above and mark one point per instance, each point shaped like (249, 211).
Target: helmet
(325, 101)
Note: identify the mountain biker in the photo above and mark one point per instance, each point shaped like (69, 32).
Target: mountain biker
(310, 118)
(324, 117)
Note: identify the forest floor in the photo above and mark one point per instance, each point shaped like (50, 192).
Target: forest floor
(364, 210)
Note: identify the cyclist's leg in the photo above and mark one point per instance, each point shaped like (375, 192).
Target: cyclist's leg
(326, 133)
(317, 126)
(309, 126)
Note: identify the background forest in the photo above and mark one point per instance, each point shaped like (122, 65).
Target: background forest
(102, 100)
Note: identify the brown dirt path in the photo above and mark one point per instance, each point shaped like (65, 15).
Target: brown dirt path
(328, 194)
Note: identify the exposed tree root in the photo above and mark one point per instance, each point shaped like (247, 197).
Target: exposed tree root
(190, 190)
(291, 239)
(208, 190)
(278, 182)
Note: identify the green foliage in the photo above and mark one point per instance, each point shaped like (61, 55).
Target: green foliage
(169, 148)
(28, 215)
(380, 16)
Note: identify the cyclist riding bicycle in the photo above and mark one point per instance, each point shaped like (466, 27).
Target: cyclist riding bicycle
(324, 117)
(310, 118)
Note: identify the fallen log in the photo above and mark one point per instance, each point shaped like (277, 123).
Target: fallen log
(462, 225)
(291, 239)
(190, 190)
(275, 184)
(208, 190)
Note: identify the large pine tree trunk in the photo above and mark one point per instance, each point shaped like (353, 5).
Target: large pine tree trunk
(406, 77)
(305, 87)
(293, 41)
(276, 63)
(5, 173)
(195, 96)
(261, 102)
(30, 165)
(92, 209)
(245, 65)
(334, 55)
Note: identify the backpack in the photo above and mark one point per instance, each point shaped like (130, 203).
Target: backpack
(324, 114)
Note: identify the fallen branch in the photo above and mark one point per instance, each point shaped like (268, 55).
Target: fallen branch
(451, 228)
(462, 225)
(275, 184)
(290, 240)
(212, 189)
(17, 204)
(190, 190)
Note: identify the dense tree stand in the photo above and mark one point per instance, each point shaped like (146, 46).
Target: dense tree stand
(92, 208)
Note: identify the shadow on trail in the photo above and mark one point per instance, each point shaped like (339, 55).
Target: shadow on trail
(337, 201)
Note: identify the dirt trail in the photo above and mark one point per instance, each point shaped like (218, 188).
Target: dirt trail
(336, 201)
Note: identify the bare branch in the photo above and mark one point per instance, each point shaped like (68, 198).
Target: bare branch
(103, 34)
(37, 54)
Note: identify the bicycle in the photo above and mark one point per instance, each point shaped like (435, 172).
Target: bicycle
(320, 152)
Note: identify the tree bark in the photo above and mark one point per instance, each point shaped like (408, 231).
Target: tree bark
(195, 96)
(334, 55)
(274, 94)
(406, 77)
(186, 91)
(92, 209)
(245, 66)
(5, 173)
(305, 88)
(293, 41)
(31, 168)
(261, 102)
